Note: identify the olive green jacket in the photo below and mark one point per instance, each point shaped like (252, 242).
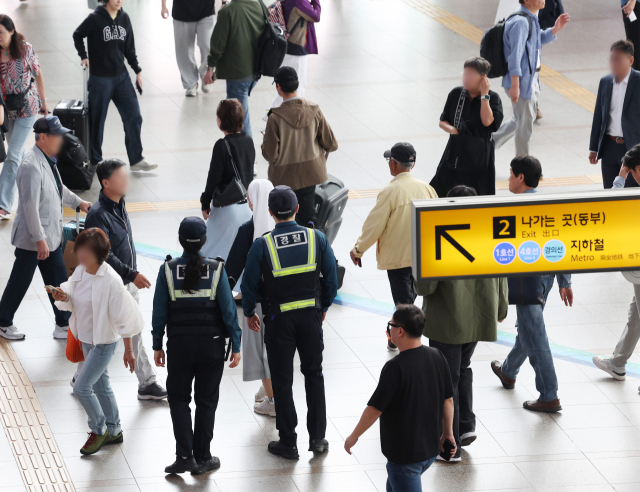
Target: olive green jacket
(464, 311)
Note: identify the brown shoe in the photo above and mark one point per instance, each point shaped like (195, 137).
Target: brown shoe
(508, 383)
(543, 406)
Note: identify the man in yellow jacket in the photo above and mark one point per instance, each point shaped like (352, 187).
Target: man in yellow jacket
(389, 223)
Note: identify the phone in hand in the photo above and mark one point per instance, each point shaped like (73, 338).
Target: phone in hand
(138, 88)
(51, 289)
(448, 447)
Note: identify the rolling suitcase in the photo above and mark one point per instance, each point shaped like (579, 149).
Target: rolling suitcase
(331, 199)
(70, 232)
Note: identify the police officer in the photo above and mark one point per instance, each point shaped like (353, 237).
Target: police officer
(194, 301)
(284, 267)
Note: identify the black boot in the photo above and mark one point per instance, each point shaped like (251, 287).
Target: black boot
(207, 466)
(319, 445)
(287, 452)
(181, 465)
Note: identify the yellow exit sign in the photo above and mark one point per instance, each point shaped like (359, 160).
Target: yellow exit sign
(491, 236)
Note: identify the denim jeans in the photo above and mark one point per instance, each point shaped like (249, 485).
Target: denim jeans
(53, 273)
(532, 342)
(120, 90)
(94, 391)
(19, 131)
(240, 89)
(406, 478)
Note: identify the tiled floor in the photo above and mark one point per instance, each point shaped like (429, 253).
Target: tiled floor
(382, 76)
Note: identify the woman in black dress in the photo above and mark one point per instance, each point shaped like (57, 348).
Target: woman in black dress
(471, 114)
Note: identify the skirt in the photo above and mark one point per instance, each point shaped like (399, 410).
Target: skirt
(254, 352)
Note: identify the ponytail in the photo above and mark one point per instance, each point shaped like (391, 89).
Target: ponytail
(194, 268)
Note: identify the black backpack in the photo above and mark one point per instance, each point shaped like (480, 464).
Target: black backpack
(74, 164)
(272, 47)
(492, 47)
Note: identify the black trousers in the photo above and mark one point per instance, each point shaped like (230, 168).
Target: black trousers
(307, 201)
(459, 359)
(401, 281)
(300, 329)
(190, 357)
(612, 154)
(632, 31)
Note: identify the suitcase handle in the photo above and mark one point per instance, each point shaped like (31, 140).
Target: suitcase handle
(77, 229)
(85, 78)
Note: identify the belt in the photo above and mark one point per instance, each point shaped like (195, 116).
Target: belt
(618, 140)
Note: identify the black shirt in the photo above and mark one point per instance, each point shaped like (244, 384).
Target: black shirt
(471, 113)
(410, 394)
(52, 164)
(192, 10)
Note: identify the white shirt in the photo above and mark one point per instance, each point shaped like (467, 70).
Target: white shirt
(83, 308)
(615, 111)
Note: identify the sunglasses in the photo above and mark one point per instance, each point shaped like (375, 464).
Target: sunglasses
(389, 326)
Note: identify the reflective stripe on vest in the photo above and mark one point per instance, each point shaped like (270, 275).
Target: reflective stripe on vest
(208, 293)
(277, 269)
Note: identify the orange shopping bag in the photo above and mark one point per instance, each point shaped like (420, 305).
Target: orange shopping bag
(74, 348)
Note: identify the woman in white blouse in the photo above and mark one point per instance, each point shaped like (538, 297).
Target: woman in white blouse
(102, 312)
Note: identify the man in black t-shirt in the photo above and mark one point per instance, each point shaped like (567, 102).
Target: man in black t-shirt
(414, 401)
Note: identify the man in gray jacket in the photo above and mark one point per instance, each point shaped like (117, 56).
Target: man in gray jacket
(37, 230)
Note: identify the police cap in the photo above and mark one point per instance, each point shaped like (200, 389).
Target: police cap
(192, 229)
(282, 201)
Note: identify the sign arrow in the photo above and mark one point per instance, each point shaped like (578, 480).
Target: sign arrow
(441, 232)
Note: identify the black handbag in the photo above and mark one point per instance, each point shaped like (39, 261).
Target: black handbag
(16, 102)
(233, 192)
(465, 152)
(526, 290)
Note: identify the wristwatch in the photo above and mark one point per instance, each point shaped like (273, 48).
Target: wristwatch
(486, 96)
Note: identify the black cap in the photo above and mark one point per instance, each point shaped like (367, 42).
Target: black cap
(402, 152)
(192, 229)
(284, 75)
(51, 125)
(282, 201)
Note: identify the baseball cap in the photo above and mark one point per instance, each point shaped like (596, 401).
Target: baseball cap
(282, 201)
(401, 152)
(51, 125)
(284, 75)
(192, 229)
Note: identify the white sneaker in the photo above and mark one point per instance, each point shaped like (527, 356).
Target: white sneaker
(452, 460)
(11, 333)
(605, 364)
(206, 88)
(6, 215)
(265, 407)
(467, 438)
(261, 394)
(193, 92)
(60, 332)
(143, 165)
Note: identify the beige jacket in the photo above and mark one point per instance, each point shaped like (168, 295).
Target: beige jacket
(389, 223)
(295, 144)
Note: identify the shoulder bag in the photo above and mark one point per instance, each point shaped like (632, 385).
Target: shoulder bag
(233, 192)
(17, 102)
(466, 153)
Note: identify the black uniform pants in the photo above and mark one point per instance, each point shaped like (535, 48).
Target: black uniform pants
(307, 201)
(401, 281)
(459, 358)
(612, 154)
(299, 329)
(188, 357)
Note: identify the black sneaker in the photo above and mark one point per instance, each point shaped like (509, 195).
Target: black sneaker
(181, 465)
(279, 449)
(319, 445)
(152, 391)
(207, 466)
(390, 346)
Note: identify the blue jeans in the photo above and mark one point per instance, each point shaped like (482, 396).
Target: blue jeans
(532, 342)
(53, 273)
(94, 391)
(120, 90)
(19, 131)
(406, 478)
(240, 89)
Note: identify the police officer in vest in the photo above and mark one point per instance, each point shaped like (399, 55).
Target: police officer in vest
(293, 270)
(194, 301)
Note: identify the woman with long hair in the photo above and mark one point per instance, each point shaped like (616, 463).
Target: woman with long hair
(23, 92)
(193, 300)
(255, 364)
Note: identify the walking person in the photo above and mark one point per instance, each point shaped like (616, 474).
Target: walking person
(471, 114)
(296, 144)
(110, 40)
(102, 312)
(523, 41)
(630, 9)
(193, 22)
(23, 91)
(110, 215)
(616, 119)
(194, 302)
(285, 267)
(255, 365)
(234, 50)
(224, 205)
(414, 402)
(388, 225)
(37, 229)
(457, 315)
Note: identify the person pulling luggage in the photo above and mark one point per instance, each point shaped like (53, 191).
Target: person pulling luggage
(285, 267)
(194, 302)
